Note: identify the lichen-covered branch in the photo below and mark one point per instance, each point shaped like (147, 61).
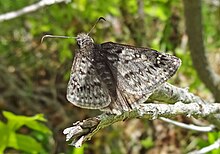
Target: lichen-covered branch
(186, 104)
(171, 94)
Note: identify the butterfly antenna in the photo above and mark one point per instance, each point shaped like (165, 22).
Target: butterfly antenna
(100, 18)
(54, 36)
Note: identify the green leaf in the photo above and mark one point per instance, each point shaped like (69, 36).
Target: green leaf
(9, 137)
(11, 116)
(25, 143)
(4, 136)
(39, 127)
(15, 121)
(39, 117)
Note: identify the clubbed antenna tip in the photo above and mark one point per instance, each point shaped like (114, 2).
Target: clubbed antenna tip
(97, 21)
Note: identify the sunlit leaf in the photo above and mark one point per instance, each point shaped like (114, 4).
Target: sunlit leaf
(4, 134)
(25, 143)
(39, 127)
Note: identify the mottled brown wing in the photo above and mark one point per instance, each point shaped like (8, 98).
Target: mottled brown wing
(85, 89)
(139, 71)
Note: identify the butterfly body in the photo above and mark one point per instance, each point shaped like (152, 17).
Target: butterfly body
(115, 76)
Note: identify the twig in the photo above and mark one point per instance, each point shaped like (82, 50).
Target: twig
(83, 131)
(207, 149)
(28, 9)
(189, 126)
(171, 94)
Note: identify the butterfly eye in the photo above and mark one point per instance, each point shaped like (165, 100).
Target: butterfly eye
(79, 41)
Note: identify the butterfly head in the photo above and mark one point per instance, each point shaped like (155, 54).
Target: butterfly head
(84, 40)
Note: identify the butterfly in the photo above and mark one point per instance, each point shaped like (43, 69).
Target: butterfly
(116, 77)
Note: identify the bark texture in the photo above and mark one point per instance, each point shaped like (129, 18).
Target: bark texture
(186, 103)
(194, 30)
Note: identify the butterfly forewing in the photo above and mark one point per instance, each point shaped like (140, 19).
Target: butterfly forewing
(85, 89)
(139, 70)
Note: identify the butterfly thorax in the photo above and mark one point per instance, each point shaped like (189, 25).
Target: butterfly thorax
(84, 41)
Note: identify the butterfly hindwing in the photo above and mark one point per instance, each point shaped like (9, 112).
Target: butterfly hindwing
(85, 89)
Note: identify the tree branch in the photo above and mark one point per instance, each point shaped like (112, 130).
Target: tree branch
(28, 9)
(189, 126)
(83, 131)
(193, 21)
(207, 149)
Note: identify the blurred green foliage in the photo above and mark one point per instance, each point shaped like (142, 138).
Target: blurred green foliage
(211, 138)
(10, 138)
(34, 75)
(147, 143)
